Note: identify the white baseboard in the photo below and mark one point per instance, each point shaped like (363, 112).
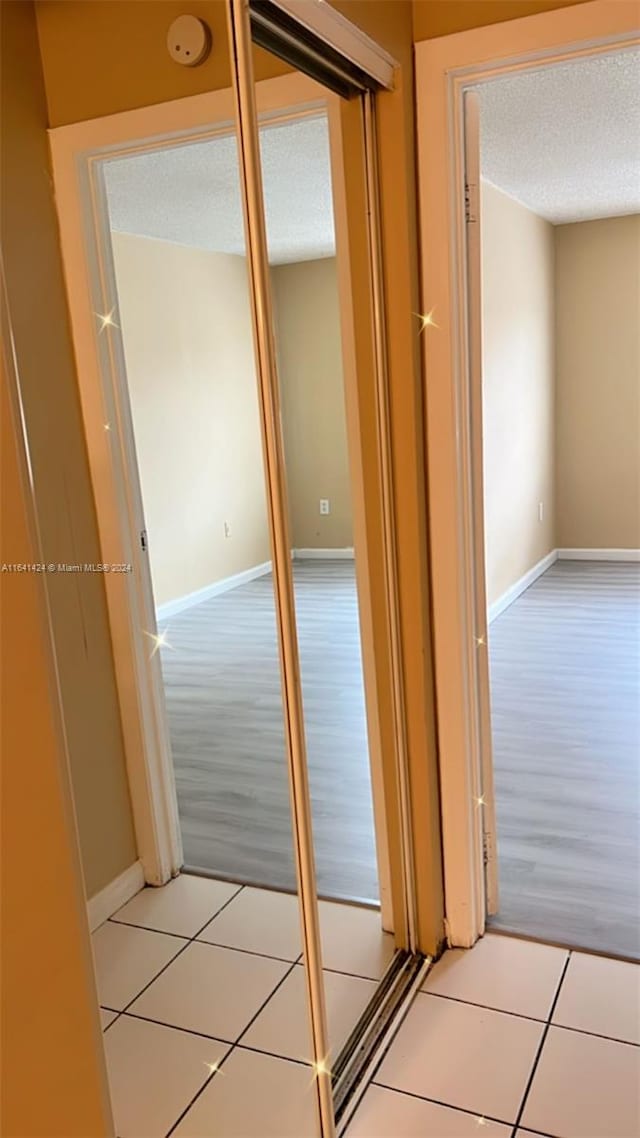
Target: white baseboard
(523, 583)
(344, 554)
(114, 895)
(172, 608)
(599, 554)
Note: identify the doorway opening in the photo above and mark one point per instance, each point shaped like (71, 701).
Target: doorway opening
(560, 240)
(541, 656)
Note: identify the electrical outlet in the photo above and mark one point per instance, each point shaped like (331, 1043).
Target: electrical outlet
(227, 529)
(540, 511)
(324, 506)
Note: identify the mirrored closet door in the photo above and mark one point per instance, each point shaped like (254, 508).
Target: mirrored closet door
(233, 389)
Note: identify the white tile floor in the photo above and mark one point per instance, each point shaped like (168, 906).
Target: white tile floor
(205, 1034)
(202, 974)
(513, 1038)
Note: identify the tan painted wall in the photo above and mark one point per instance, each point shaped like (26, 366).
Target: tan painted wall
(52, 1076)
(103, 56)
(518, 387)
(83, 40)
(443, 17)
(598, 383)
(313, 409)
(186, 326)
(67, 514)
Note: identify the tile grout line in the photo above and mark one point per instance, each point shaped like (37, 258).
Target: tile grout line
(189, 941)
(175, 1027)
(264, 1004)
(529, 1019)
(229, 1043)
(232, 1046)
(372, 1079)
(578, 950)
(535, 1133)
(595, 1035)
(485, 1007)
(145, 928)
(538, 1055)
(230, 1051)
(249, 952)
(457, 1109)
(438, 1102)
(199, 939)
(237, 1044)
(273, 1055)
(547, 1023)
(199, 1092)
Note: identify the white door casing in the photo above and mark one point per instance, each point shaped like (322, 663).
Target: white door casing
(446, 67)
(473, 268)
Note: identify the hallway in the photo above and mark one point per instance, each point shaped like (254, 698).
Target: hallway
(204, 1031)
(202, 975)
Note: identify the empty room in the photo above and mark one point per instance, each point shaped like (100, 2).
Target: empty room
(183, 303)
(560, 236)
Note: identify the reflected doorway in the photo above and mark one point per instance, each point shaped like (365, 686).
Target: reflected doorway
(178, 246)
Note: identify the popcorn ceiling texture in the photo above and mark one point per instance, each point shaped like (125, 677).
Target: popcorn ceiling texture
(564, 140)
(190, 194)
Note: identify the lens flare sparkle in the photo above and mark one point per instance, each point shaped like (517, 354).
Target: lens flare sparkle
(106, 320)
(159, 641)
(426, 320)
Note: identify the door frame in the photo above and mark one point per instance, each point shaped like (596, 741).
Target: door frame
(111, 447)
(445, 67)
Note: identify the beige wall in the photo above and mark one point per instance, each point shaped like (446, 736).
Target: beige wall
(443, 17)
(60, 468)
(313, 407)
(52, 1075)
(186, 326)
(50, 1033)
(598, 383)
(518, 388)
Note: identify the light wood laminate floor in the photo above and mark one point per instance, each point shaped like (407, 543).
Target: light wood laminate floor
(565, 681)
(224, 707)
(565, 674)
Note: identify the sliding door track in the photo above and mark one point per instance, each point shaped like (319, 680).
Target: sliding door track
(374, 1031)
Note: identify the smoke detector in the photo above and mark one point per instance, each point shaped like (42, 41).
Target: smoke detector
(189, 41)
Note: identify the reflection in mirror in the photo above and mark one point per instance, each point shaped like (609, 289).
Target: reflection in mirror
(297, 186)
(181, 272)
(184, 316)
(188, 376)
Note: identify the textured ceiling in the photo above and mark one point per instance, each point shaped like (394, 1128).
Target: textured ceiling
(191, 194)
(565, 140)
